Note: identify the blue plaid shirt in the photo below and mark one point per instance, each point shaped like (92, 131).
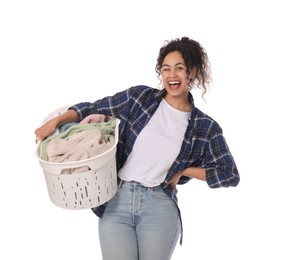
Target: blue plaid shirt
(203, 144)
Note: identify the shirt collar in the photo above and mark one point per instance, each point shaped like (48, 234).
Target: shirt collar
(160, 94)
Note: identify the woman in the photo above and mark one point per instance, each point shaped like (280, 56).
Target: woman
(164, 141)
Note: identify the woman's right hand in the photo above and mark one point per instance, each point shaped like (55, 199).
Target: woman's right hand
(46, 129)
(50, 127)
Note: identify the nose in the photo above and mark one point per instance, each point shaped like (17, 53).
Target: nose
(172, 73)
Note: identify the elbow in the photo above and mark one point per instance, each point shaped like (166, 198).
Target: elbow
(232, 182)
(217, 178)
(234, 177)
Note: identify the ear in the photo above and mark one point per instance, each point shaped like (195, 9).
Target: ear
(192, 73)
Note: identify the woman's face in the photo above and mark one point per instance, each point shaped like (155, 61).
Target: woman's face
(174, 76)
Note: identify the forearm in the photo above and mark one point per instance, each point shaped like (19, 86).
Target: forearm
(192, 172)
(67, 117)
(49, 127)
(195, 172)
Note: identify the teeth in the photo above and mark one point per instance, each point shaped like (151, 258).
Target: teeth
(173, 82)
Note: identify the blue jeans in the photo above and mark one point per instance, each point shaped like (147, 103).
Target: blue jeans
(139, 223)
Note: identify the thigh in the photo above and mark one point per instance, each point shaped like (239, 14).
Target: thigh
(117, 241)
(116, 233)
(159, 229)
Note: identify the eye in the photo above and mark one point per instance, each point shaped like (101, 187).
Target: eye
(180, 68)
(165, 69)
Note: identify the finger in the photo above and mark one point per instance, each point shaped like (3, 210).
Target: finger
(166, 185)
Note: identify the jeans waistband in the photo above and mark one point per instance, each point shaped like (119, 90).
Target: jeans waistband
(138, 184)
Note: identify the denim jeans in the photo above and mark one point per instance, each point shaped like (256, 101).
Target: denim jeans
(139, 223)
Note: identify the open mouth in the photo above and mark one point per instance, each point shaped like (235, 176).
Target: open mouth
(174, 84)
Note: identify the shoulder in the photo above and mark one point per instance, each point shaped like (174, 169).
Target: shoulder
(143, 89)
(143, 92)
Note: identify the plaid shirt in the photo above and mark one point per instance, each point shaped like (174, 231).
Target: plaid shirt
(203, 144)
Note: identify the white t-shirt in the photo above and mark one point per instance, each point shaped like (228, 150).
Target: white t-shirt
(156, 147)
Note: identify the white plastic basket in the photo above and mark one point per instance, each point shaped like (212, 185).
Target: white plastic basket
(81, 190)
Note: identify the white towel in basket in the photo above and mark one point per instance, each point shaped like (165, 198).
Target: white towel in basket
(79, 146)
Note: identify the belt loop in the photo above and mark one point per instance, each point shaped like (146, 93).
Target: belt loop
(120, 183)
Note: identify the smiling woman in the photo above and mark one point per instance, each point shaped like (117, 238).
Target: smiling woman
(187, 57)
(176, 79)
(164, 140)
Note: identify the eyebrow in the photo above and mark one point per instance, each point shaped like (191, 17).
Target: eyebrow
(175, 64)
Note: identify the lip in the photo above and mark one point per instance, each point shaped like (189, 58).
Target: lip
(174, 85)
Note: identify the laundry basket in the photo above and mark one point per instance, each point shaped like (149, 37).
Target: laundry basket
(84, 190)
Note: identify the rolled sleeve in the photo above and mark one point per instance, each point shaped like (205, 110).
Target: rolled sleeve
(221, 170)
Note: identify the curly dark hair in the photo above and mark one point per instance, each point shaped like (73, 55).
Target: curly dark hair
(195, 57)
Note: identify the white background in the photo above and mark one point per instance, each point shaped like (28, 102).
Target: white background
(55, 53)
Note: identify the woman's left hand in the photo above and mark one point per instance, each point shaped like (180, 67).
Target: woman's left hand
(174, 181)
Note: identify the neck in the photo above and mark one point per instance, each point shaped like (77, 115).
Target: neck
(179, 102)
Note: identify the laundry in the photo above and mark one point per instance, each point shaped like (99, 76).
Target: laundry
(79, 142)
(95, 118)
